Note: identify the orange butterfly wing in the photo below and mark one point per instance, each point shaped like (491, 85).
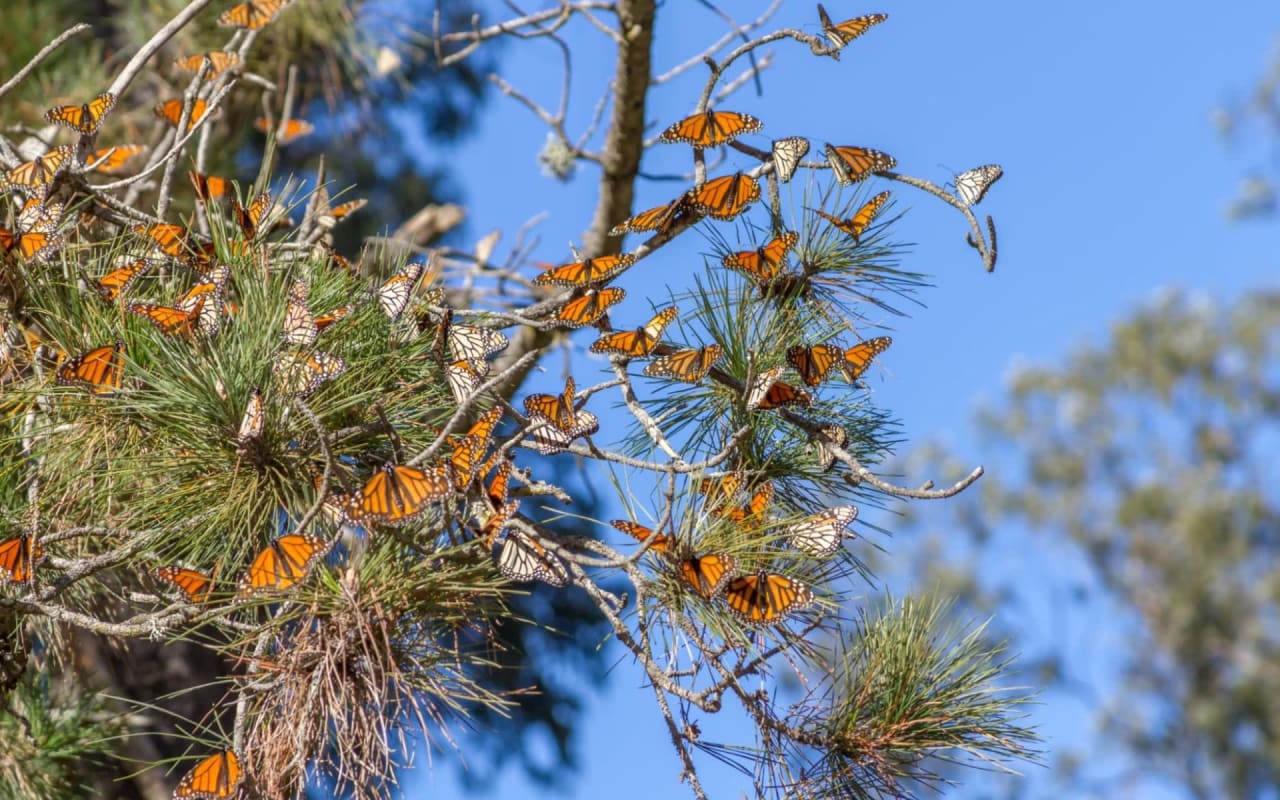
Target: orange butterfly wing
(590, 307)
(850, 164)
(251, 15)
(814, 363)
(689, 366)
(708, 574)
(845, 32)
(558, 409)
(101, 369)
(859, 357)
(217, 777)
(194, 585)
(763, 263)
(219, 61)
(171, 111)
(283, 563)
(639, 342)
(111, 160)
(765, 597)
(658, 218)
(293, 129)
(18, 559)
(85, 119)
(397, 495)
(585, 273)
(726, 197)
(711, 128)
(36, 174)
(641, 533)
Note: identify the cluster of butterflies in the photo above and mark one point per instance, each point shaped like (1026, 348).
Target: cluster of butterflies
(757, 598)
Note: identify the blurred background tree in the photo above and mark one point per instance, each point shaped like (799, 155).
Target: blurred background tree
(1131, 499)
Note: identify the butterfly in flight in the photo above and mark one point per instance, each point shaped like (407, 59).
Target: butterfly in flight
(217, 777)
(171, 111)
(786, 155)
(972, 184)
(851, 164)
(18, 559)
(842, 33)
(639, 342)
(194, 585)
(100, 369)
(857, 358)
(689, 366)
(111, 160)
(763, 262)
(711, 128)
(586, 272)
(219, 61)
(856, 225)
(768, 392)
(252, 14)
(765, 598)
(84, 119)
(589, 306)
(726, 197)
(284, 563)
(293, 129)
(820, 535)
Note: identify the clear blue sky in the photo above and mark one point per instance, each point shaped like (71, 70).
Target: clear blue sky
(1115, 184)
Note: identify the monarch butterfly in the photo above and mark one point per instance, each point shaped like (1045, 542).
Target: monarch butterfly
(110, 160)
(639, 342)
(722, 495)
(549, 439)
(171, 321)
(707, 574)
(283, 563)
(194, 585)
(762, 263)
(252, 14)
(171, 240)
(207, 299)
(859, 357)
(523, 559)
(219, 61)
(35, 175)
(250, 219)
(827, 436)
(208, 187)
(252, 423)
(689, 366)
(641, 533)
(299, 326)
(726, 197)
(101, 369)
(300, 374)
(587, 272)
(396, 495)
(485, 425)
(293, 129)
(464, 378)
(497, 521)
(470, 342)
(325, 320)
(334, 215)
(110, 286)
(171, 111)
(468, 453)
(84, 119)
(787, 154)
(660, 218)
(814, 363)
(711, 128)
(500, 487)
(766, 597)
(857, 224)
(39, 242)
(820, 534)
(215, 778)
(768, 392)
(589, 306)
(850, 164)
(394, 293)
(18, 559)
(326, 251)
(850, 29)
(972, 185)
(556, 409)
